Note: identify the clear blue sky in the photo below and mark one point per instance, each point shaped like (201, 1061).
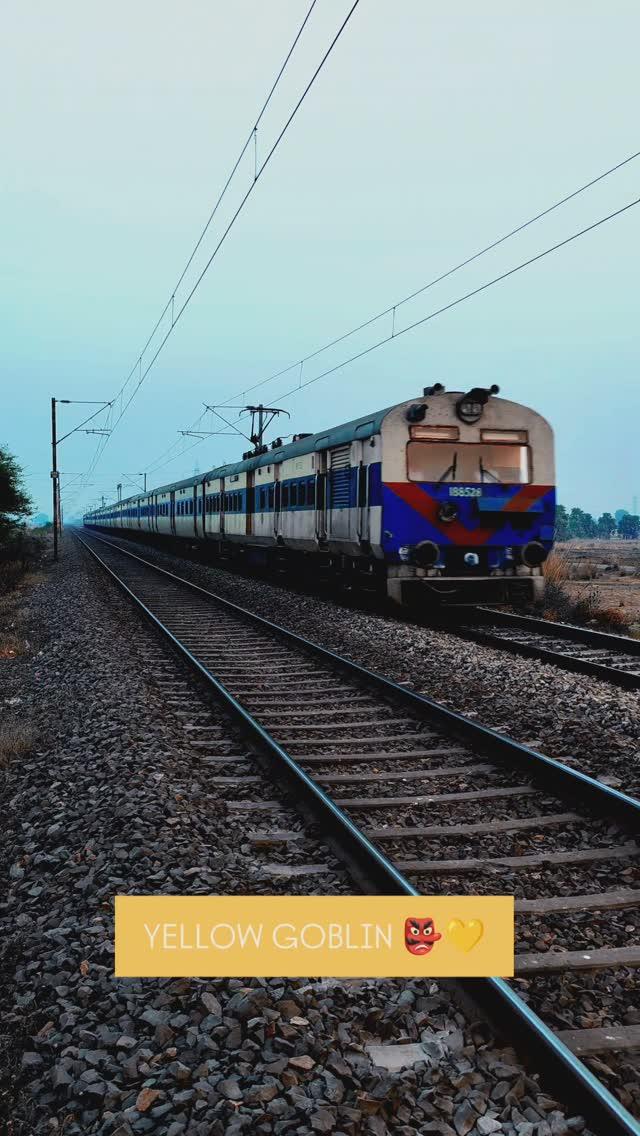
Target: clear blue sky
(433, 129)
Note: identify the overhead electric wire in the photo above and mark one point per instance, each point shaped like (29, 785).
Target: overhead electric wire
(467, 296)
(436, 280)
(299, 363)
(446, 307)
(257, 174)
(461, 299)
(224, 189)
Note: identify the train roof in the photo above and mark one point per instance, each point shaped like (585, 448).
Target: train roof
(364, 427)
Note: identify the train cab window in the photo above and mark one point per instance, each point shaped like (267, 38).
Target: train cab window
(474, 462)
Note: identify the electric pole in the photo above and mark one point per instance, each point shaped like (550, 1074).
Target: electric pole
(55, 477)
(55, 441)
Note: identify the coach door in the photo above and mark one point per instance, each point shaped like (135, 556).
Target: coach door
(339, 491)
(321, 496)
(277, 502)
(222, 506)
(362, 499)
(250, 502)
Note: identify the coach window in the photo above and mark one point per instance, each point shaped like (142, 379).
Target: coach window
(285, 496)
(271, 496)
(294, 495)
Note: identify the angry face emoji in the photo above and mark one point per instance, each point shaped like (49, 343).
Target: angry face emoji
(420, 936)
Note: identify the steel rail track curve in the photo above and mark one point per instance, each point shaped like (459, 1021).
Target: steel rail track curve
(611, 658)
(497, 999)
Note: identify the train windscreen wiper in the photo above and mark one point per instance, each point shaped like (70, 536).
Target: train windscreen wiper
(450, 469)
(488, 473)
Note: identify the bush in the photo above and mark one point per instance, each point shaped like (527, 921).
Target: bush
(18, 553)
(16, 739)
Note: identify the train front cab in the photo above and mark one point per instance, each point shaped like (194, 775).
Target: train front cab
(468, 500)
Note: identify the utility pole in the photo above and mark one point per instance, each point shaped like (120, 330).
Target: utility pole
(119, 491)
(55, 477)
(145, 480)
(55, 441)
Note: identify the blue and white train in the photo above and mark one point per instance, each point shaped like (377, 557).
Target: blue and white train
(446, 499)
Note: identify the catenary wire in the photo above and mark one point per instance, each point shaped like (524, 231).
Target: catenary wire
(460, 299)
(437, 279)
(258, 173)
(158, 463)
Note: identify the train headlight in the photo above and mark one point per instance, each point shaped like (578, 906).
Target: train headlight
(469, 408)
(416, 412)
(533, 554)
(471, 559)
(447, 512)
(426, 554)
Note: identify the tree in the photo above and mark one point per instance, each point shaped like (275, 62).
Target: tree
(590, 526)
(15, 504)
(581, 524)
(606, 526)
(629, 527)
(561, 530)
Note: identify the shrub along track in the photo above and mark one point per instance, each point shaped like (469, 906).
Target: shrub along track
(416, 773)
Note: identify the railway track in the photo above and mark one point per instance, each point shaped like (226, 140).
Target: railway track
(613, 658)
(417, 799)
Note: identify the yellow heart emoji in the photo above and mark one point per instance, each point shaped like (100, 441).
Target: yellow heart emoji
(465, 936)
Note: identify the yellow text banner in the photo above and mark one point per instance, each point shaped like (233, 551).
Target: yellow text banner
(324, 936)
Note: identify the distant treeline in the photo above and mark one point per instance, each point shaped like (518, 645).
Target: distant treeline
(572, 524)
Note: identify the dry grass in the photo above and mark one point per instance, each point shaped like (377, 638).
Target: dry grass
(556, 567)
(615, 617)
(16, 739)
(585, 607)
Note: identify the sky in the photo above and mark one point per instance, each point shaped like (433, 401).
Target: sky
(432, 130)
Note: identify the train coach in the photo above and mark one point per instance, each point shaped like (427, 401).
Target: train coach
(445, 500)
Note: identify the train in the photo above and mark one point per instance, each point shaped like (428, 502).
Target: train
(444, 500)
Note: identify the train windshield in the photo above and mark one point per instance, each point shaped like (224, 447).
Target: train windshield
(475, 462)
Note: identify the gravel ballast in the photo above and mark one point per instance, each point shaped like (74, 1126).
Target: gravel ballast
(588, 724)
(114, 798)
